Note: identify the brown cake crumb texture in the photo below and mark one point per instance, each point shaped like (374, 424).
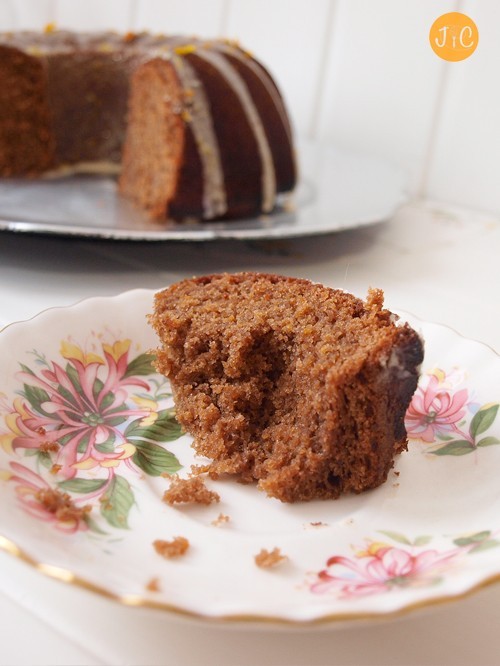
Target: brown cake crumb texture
(169, 549)
(61, 505)
(189, 491)
(298, 386)
(221, 519)
(153, 585)
(267, 559)
(49, 447)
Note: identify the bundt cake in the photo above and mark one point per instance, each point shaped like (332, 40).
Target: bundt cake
(298, 386)
(197, 129)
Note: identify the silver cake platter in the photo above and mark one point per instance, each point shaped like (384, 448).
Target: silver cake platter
(337, 190)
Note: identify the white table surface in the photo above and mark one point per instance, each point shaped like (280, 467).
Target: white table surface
(437, 262)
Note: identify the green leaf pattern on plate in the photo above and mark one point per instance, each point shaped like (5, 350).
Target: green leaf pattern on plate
(446, 419)
(87, 424)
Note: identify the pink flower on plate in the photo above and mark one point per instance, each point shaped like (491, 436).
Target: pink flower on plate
(84, 418)
(42, 501)
(76, 410)
(380, 569)
(435, 409)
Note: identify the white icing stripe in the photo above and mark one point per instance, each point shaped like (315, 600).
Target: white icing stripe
(264, 78)
(225, 68)
(214, 191)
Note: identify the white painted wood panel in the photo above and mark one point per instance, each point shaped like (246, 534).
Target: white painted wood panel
(382, 80)
(465, 164)
(189, 17)
(287, 35)
(25, 14)
(93, 14)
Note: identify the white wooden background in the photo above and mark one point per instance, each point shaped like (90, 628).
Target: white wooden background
(359, 73)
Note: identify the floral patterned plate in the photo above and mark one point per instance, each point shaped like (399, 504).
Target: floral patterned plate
(88, 440)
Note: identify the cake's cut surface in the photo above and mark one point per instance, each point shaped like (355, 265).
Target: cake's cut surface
(300, 387)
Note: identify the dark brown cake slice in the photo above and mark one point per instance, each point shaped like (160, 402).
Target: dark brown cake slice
(300, 387)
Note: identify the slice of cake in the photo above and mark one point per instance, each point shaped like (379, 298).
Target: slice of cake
(298, 386)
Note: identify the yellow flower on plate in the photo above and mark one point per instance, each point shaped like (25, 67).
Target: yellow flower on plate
(117, 349)
(372, 549)
(125, 451)
(70, 351)
(147, 404)
(7, 439)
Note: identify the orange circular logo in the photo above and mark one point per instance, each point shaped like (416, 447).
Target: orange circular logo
(454, 36)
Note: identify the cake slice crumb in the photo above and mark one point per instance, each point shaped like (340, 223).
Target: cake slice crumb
(61, 505)
(153, 585)
(269, 559)
(189, 491)
(177, 547)
(196, 470)
(221, 519)
(49, 447)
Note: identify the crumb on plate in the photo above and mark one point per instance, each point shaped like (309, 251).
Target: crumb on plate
(268, 559)
(189, 491)
(48, 447)
(153, 585)
(61, 505)
(175, 548)
(221, 520)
